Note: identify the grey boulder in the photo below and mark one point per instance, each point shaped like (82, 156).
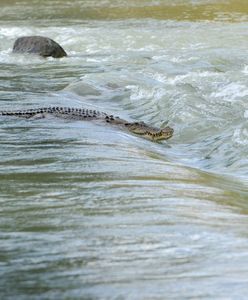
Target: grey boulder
(39, 45)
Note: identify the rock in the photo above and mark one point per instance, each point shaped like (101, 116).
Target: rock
(40, 45)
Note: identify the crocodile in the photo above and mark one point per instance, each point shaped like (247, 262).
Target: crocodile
(139, 128)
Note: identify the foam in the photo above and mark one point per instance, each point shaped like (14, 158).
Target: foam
(231, 92)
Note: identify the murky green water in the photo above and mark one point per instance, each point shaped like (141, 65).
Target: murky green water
(92, 212)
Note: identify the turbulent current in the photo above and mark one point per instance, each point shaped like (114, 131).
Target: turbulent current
(89, 211)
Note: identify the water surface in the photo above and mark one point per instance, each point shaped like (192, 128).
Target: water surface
(92, 212)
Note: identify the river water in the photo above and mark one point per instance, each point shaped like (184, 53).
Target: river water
(92, 212)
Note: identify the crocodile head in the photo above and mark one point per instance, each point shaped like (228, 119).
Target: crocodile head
(164, 133)
(149, 132)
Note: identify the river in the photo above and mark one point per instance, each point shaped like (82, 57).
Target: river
(93, 212)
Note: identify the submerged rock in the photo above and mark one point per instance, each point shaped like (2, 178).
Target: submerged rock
(40, 45)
